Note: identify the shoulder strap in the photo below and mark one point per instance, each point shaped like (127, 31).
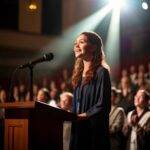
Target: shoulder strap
(129, 117)
(144, 119)
(114, 114)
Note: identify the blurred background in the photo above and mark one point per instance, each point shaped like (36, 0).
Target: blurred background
(31, 28)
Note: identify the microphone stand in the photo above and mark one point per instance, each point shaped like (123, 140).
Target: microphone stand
(30, 65)
(11, 84)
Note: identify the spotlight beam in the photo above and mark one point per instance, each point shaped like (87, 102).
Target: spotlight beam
(63, 44)
(112, 45)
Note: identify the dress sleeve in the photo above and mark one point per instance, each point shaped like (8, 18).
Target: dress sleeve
(75, 102)
(103, 94)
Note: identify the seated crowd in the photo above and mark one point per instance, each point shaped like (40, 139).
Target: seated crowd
(130, 105)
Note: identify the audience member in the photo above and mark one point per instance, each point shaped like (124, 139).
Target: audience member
(53, 98)
(137, 127)
(43, 95)
(22, 92)
(133, 74)
(3, 98)
(66, 101)
(16, 93)
(126, 96)
(66, 104)
(116, 122)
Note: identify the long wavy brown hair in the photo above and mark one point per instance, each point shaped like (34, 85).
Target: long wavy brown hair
(98, 60)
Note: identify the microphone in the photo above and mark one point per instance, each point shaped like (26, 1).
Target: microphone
(46, 57)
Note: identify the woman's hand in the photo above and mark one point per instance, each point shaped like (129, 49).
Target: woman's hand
(82, 116)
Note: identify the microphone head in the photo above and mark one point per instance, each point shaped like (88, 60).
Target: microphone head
(48, 56)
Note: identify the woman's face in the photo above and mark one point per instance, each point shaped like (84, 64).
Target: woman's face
(3, 96)
(65, 103)
(82, 48)
(41, 96)
(139, 99)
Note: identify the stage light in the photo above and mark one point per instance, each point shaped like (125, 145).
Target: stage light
(117, 3)
(32, 5)
(145, 4)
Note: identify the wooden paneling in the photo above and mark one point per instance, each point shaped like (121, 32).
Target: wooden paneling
(29, 21)
(42, 129)
(16, 134)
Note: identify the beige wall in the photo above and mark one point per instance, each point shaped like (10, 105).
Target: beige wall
(23, 41)
(72, 12)
(68, 13)
(75, 10)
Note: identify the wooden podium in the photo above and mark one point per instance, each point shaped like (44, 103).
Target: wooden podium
(34, 126)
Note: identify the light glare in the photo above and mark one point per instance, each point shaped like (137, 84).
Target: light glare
(112, 46)
(88, 24)
(145, 5)
(117, 3)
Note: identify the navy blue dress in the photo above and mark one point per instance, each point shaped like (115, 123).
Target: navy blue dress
(93, 98)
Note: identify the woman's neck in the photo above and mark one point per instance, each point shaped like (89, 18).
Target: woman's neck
(87, 65)
(139, 110)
